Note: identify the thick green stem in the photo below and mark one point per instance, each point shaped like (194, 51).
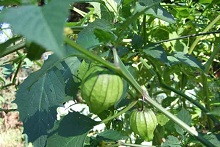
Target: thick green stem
(90, 55)
(204, 31)
(123, 72)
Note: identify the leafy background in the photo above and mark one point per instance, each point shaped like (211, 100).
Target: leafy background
(165, 68)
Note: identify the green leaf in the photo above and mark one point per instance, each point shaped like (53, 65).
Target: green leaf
(6, 48)
(156, 52)
(162, 119)
(213, 138)
(157, 11)
(71, 131)
(171, 141)
(104, 36)
(188, 60)
(34, 51)
(158, 135)
(161, 13)
(137, 41)
(9, 2)
(112, 5)
(69, 70)
(106, 14)
(168, 100)
(87, 38)
(111, 135)
(173, 60)
(185, 116)
(37, 104)
(42, 25)
(7, 70)
(148, 3)
(205, 1)
(40, 94)
(83, 69)
(215, 111)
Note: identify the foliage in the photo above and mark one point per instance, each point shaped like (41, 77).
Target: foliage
(150, 44)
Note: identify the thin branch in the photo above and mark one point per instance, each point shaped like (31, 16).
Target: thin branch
(188, 36)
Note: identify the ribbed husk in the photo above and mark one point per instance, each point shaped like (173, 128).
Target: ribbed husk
(143, 123)
(101, 89)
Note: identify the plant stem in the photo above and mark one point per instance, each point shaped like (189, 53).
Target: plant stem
(7, 110)
(90, 55)
(116, 60)
(18, 68)
(126, 74)
(121, 112)
(144, 30)
(204, 31)
(211, 58)
(13, 48)
(130, 20)
(206, 100)
(187, 36)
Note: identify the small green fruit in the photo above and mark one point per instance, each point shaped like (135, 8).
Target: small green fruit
(101, 89)
(143, 123)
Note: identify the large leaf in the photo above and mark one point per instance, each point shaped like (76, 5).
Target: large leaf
(71, 131)
(41, 93)
(43, 25)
